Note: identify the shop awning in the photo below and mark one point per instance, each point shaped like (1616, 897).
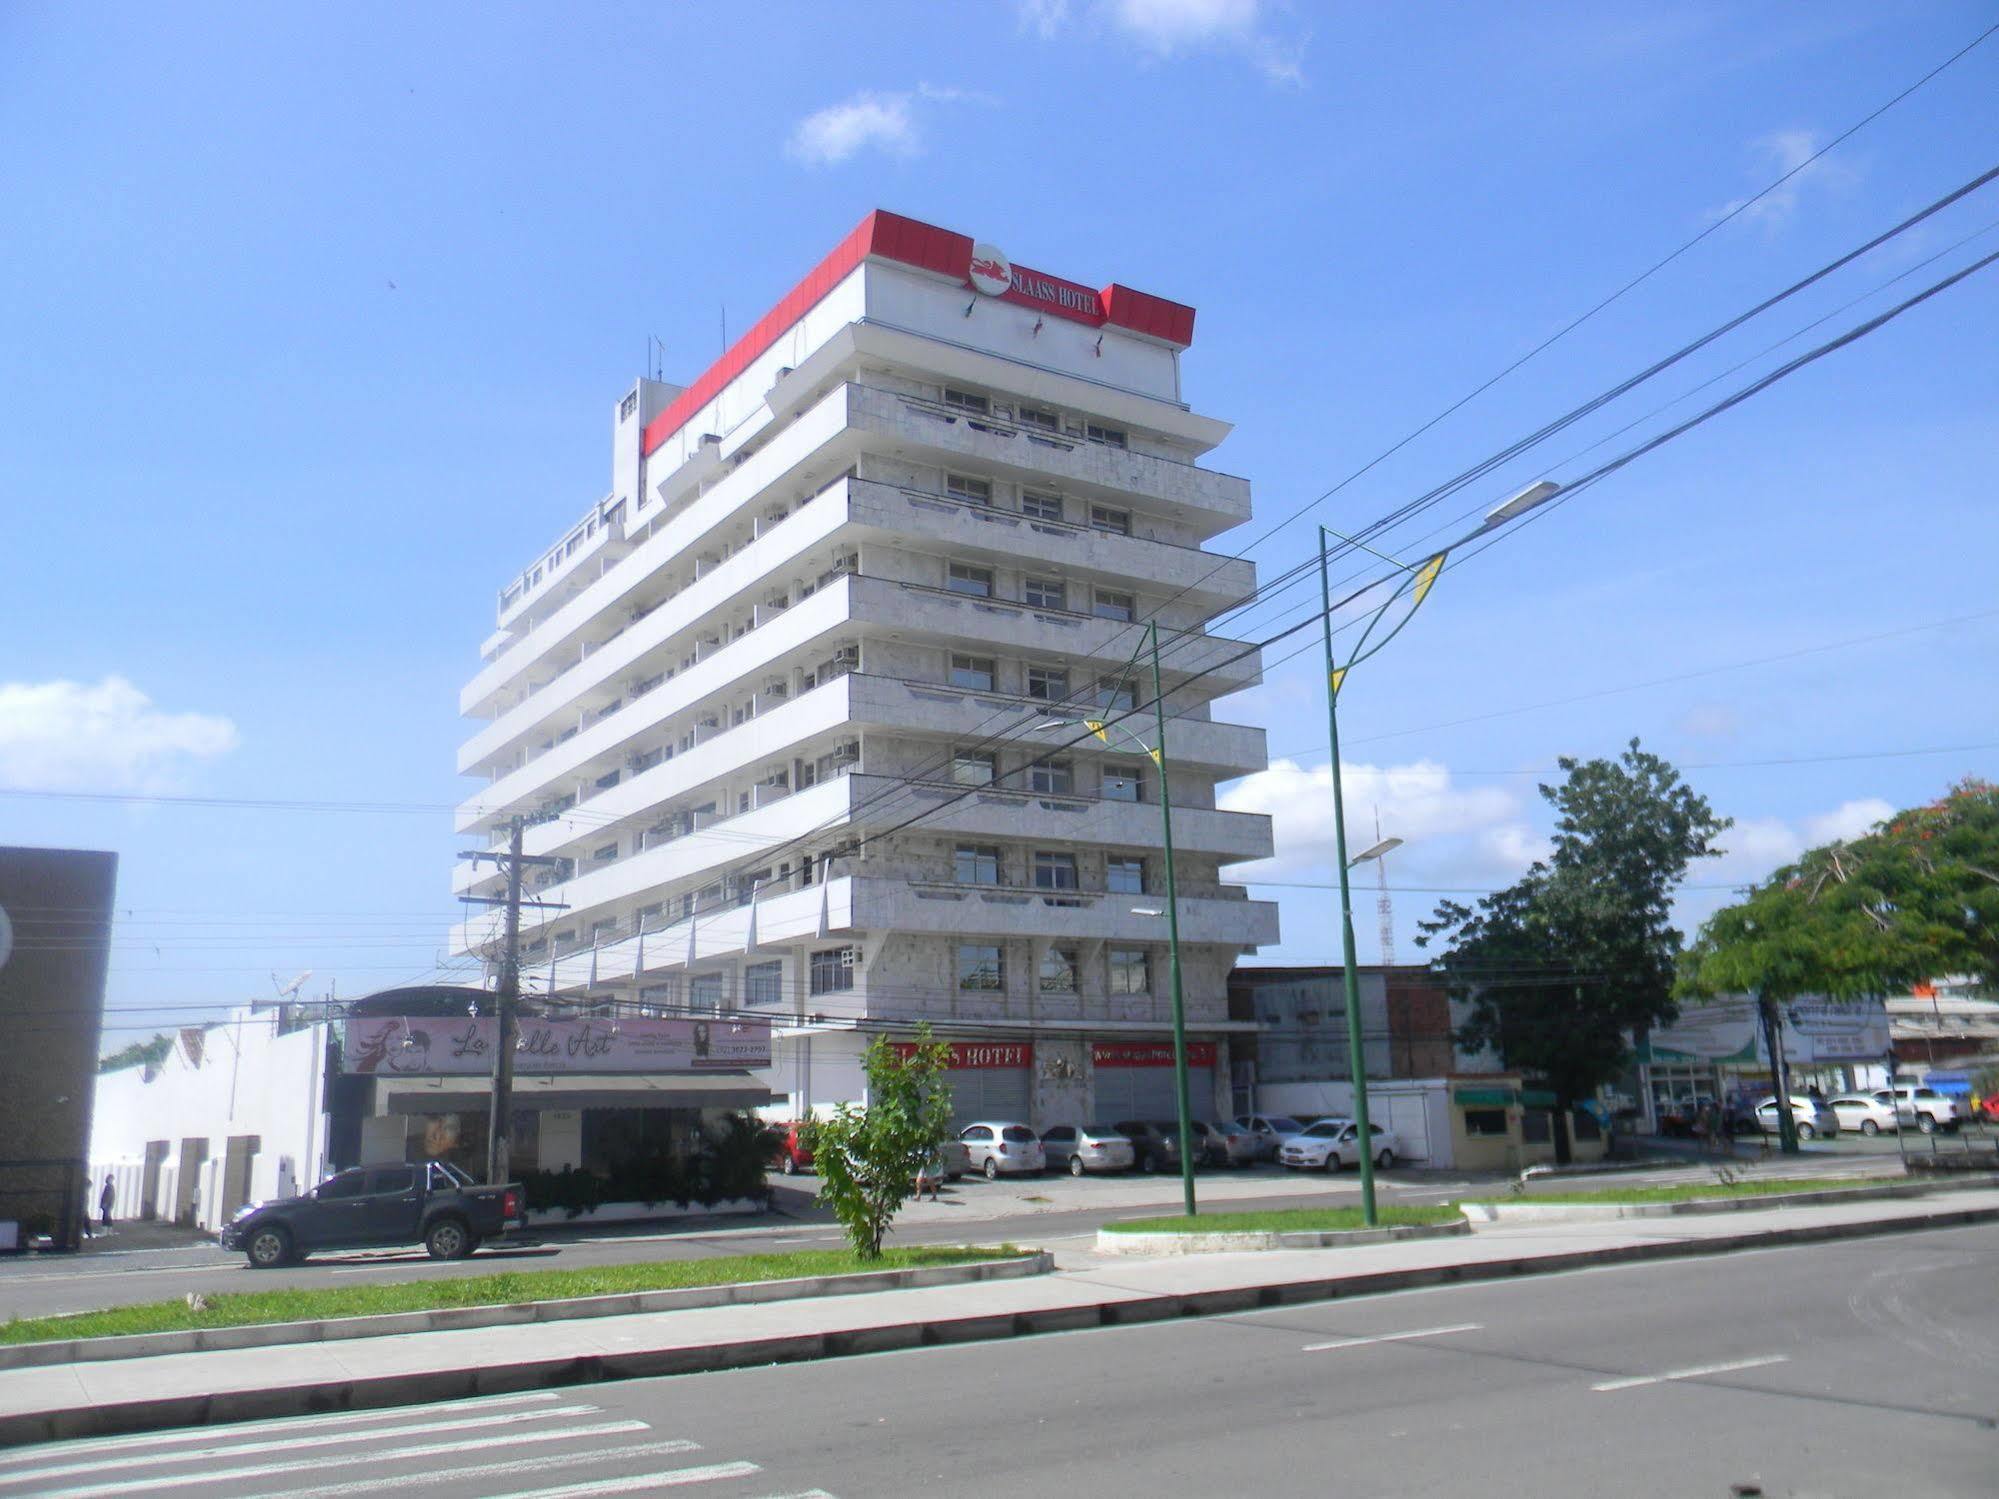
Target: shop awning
(1536, 1098)
(1484, 1098)
(457, 1095)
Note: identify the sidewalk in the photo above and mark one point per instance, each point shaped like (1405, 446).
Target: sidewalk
(195, 1388)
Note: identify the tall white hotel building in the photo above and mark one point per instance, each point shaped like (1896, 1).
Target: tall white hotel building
(782, 684)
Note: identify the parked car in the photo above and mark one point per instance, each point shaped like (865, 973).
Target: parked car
(1077, 1148)
(950, 1160)
(1811, 1115)
(1989, 1107)
(1329, 1144)
(1002, 1146)
(1225, 1144)
(1270, 1130)
(1155, 1143)
(370, 1207)
(791, 1156)
(1862, 1112)
(1925, 1108)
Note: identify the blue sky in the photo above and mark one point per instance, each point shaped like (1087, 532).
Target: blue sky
(315, 319)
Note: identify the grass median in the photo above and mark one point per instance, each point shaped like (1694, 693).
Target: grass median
(1287, 1221)
(312, 1304)
(1707, 1190)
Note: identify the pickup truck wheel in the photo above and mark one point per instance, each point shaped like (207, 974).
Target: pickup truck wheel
(448, 1239)
(268, 1249)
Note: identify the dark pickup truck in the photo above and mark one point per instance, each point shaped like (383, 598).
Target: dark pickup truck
(434, 1204)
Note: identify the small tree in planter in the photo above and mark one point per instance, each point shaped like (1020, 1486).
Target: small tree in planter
(867, 1158)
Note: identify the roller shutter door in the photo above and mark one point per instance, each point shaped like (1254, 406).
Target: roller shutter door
(1135, 1080)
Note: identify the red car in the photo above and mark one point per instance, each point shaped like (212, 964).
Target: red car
(792, 1157)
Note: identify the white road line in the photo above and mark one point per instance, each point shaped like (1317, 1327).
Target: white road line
(517, 1469)
(802, 1494)
(1705, 1369)
(634, 1482)
(286, 1423)
(1394, 1337)
(426, 1450)
(290, 1443)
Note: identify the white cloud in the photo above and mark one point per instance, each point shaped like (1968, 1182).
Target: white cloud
(1169, 28)
(1710, 721)
(1043, 17)
(1757, 845)
(1780, 153)
(71, 736)
(890, 122)
(1847, 820)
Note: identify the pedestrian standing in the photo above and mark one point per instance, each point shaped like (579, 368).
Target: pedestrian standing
(105, 1198)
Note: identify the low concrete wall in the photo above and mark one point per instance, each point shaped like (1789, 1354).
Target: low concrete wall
(1110, 1242)
(642, 1212)
(1527, 1211)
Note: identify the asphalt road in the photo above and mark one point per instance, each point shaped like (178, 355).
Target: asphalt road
(1867, 1367)
(1045, 1212)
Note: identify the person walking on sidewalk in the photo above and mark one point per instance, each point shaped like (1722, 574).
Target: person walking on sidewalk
(105, 1198)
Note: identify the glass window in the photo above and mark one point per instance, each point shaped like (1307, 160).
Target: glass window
(1110, 435)
(974, 673)
(1038, 506)
(964, 578)
(1020, 1134)
(976, 864)
(1485, 1122)
(973, 768)
(1045, 593)
(1115, 694)
(704, 991)
(1053, 777)
(1125, 876)
(1111, 604)
(1048, 683)
(981, 967)
(1058, 971)
(1060, 1132)
(763, 983)
(831, 971)
(346, 1184)
(1106, 518)
(965, 400)
(1054, 871)
(1120, 782)
(972, 491)
(1130, 970)
(391, 1179)
(1039, 416)
(976, 1132)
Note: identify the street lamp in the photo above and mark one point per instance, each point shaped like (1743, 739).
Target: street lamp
(1416, 582)
(1157, 754)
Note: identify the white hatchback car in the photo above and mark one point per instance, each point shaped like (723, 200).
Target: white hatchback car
(1330, 1144)
(1859, 1112)
(1002, 1146)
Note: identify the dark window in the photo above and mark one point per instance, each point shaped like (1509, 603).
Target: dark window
(976, 1132)
(1045, 593)
(346, 1184)
(981, 967)
(1106, 518)
(1040, 506)
(1109, 435)
(976, 581)
(1054, 871)
(1036, 416)
(392, 1179)
(1060, 1132)
(1052, 778)
(1130, 970)
(975, 864)
(1048, 684)
(1019, 1133)
(1485, 1122)
(965, 400)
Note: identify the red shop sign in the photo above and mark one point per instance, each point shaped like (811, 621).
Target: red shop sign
(979, 1055)
(1149, 1053)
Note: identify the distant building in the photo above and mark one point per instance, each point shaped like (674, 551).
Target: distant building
(55, 943)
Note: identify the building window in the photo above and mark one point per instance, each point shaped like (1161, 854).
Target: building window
(1058, 971)
(964, 578)
(1054, 871)
(627, 406)
(1110, 604)
(1486, 1122)
(1104, 518)
(1120, 782)
(1053, 777)
(975, 673)
(1037, 506)
(974, 767)
(1125, 876)
(1110, 436)
(763, 983)
(966, 400)
(1039, 416)
(1130, 971)
(1050, 684)
(649, 913)
(981, 968)
(1115, 694)
(1045, 593)
(608, 851)
(976, 864)
(832, 970)
(704, 992)
(971, 491)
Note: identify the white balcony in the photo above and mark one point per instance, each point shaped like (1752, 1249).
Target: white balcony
(940, 908)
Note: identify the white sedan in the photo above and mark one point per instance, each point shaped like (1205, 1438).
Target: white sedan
(1331, 1144)
(1857, 1111)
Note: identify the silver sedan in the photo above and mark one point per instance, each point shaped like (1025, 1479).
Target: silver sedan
(1077, 1148)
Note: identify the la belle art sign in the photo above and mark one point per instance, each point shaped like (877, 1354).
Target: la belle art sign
(416, 1046)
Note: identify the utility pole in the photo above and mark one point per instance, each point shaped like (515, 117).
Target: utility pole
(499, 1124)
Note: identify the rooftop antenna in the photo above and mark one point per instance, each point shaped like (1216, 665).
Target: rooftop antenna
(1383, 904)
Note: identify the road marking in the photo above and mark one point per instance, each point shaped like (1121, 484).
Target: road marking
(519, 1468)
(1696, 1373)
(388, 1455)
(631, 1483)
(1394, 1337)
(290, 1423)
(289, 1443)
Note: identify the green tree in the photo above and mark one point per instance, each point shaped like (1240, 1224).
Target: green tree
(1560, 967)
(138, 1054)
(867, 1158)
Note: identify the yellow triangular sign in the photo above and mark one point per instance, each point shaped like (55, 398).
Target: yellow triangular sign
(1095, 726)
(1339, 676)
(1427, 575)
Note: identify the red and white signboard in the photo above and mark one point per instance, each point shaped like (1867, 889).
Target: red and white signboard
(980, 1055)
(992, 272)
(417, 1046)
(993, 275)
(1149, 1053)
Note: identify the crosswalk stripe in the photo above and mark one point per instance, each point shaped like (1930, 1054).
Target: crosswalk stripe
(391, 1455)
(230, 1450)
(633, 1482)
(519, 1468)
(286, 1423)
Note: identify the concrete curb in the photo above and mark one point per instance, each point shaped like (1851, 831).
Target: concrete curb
(454, 1318)
(1605, 1212)
(1109, 1242)
(499, 1379)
